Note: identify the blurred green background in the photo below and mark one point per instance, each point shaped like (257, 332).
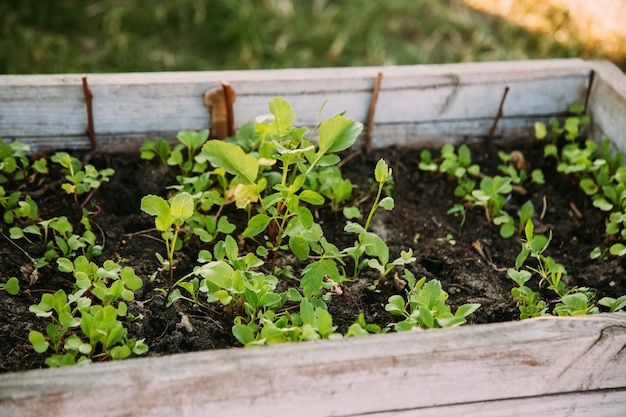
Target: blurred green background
(45, 36)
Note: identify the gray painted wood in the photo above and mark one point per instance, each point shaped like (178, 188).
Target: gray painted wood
(509, 368)
(450, 101)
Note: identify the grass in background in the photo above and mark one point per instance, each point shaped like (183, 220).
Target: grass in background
(42, 36)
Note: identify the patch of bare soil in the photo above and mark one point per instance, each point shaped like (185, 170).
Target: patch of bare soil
(470, 260)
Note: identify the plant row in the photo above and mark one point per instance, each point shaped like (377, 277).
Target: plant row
(278, 174)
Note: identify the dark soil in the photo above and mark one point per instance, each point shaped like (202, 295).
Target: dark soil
(473, 269)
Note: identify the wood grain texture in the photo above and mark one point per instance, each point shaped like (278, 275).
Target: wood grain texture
(489, 367)
(50, 109)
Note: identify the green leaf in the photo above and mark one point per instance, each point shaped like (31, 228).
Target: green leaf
(307, 312)
(387, 203)
(131, 280)
(426, 317)
(540, 130)
(338, 134)
(311, 197)
(12, 286)
(300, 247)
(284, 116)
(65, 265)
(243, 333)
(39, 342)
(232, 159)
(157, 206)
(382, 171)
(182, 206)
(313, 276)
(395, 305)
(351, 213)
(256, 225)
(217, 272)
(466, 309)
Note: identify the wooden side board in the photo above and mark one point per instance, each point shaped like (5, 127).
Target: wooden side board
(436, 102)
(569, 366)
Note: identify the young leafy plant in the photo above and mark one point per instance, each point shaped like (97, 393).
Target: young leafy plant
(81, 179)
(170, 215)
(426, 306)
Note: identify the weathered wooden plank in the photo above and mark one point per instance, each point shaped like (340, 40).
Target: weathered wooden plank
(387, 373)
(607, 104)
(34, 108)
(604, 403)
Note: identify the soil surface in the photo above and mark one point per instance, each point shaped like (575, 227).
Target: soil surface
(470, 260)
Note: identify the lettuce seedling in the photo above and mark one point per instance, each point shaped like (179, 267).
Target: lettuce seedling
(426, 306)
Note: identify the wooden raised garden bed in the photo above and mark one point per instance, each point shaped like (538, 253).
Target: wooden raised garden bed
(547, 366)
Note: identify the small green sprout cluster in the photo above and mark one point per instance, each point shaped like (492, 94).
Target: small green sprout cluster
(569, 301)
(491, 193)
(597, 169)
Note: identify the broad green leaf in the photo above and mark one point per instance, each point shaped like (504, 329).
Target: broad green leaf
(324, 323)
(157, 206)
(300, 247)
(313, 276)
(65, 265)
(256, 225)
(311, 197)
(39, 342)
(466, 309)
(182, 205)
(243, 333)
(218, 273)
(284, 116)
(426, 317)
(338, 134)
(232, 159)
(12, 286)
(130, 279)
(307, 312)
(395, 305)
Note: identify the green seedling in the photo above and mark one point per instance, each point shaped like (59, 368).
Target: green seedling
(329, 182)
(613, 304)
(369, 243)
(571, 301)
(529, 302)
(312, 323)
(16, 209)
(570, 130)
(170, 215)
(109, 283)
(81, 179)
(361, 328)
(15, 165)
(101, 335)
(60, 240)
(286, 209)
(12, 286)
(182, 155)
(426, 306)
